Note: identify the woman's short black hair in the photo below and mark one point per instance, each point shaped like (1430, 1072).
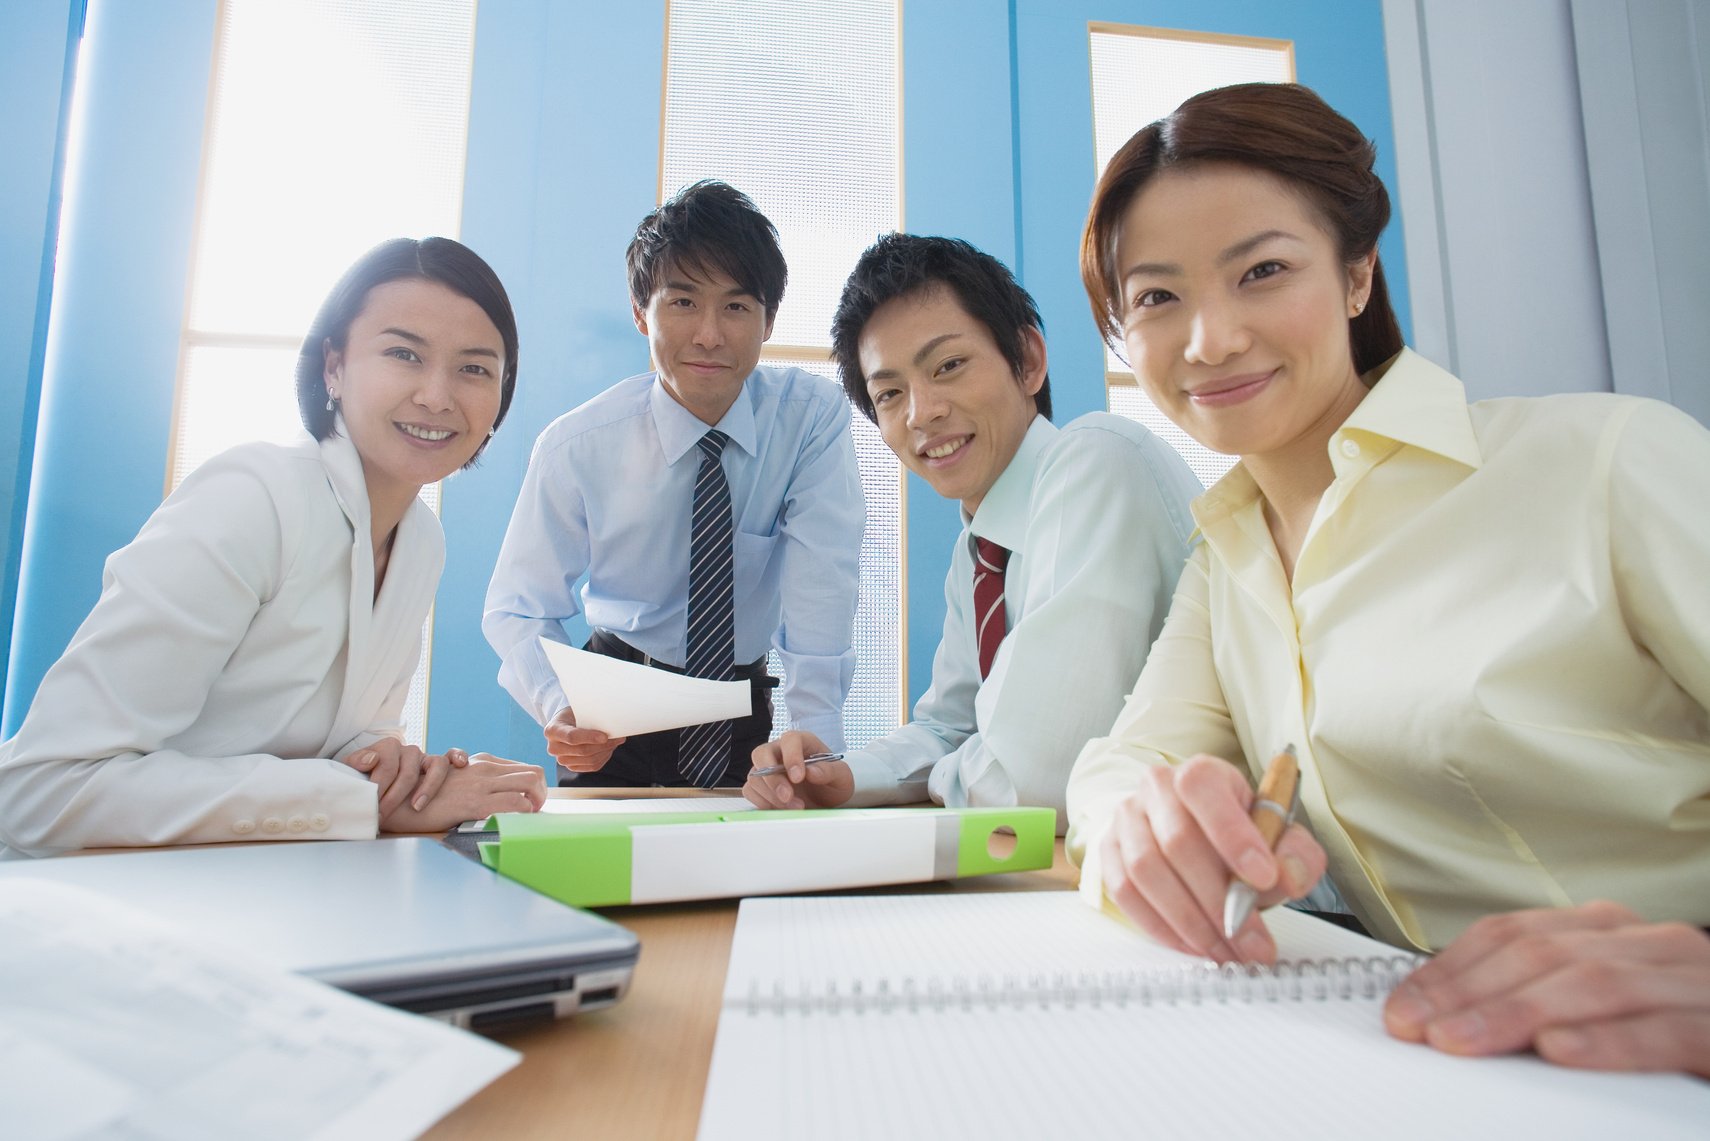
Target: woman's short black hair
(443, 260)
(710, 226)
(898, 265)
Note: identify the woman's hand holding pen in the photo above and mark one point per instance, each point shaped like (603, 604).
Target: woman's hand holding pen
(824, 783)
(1593, 986)
(1175, 844)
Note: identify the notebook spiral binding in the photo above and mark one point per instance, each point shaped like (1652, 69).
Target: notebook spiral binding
(1309, 980)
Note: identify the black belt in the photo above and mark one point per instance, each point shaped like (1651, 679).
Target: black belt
(607, 643)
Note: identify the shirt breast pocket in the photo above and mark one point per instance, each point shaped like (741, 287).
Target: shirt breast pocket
(752, 559)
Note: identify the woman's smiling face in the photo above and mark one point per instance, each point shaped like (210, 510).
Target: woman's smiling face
(1235, 308)
(418, 382)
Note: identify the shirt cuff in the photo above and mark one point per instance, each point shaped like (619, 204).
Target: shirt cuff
(549, 701)
(828, 729)
(1091, 885)
(876, 783)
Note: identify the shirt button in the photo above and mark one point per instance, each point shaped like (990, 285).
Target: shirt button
(319, 822)
(243, 827)
(273, 824)
(298, 824)
(1351, 449)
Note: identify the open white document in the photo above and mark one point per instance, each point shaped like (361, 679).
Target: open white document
(622, 698)
(1029, 1014)
(115, 1024)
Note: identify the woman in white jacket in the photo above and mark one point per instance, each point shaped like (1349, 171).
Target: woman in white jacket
(243, 674)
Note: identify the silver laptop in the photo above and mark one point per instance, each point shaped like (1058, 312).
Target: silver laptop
(405, 922)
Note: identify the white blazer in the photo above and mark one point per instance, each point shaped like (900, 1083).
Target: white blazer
(236, 651)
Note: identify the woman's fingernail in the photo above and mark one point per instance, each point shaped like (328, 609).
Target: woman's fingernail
(1463, 1029)
(1294, 876)
(1252, 945)
(1409, 1009)
(1252, 865)
(421, 803)
(1564, 1042)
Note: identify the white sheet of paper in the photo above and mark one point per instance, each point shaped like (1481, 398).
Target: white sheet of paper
(624, 698)
(113, 1023)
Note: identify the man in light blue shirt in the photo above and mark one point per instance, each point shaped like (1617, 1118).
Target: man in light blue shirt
(612, 493)
(1071, 546)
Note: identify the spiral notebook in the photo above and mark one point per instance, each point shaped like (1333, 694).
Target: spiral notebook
(1029, 1014)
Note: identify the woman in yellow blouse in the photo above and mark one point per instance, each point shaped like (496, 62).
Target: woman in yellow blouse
(1483, 627)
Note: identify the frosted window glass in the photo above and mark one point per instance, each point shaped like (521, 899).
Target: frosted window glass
(240, 394)
(796, 105)
(337, 124)
(875, 698)
(334, 125)
(1137, 79)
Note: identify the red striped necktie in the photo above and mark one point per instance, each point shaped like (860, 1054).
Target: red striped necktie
(989, 622)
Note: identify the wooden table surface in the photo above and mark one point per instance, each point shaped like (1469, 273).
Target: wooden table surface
(638, 1069)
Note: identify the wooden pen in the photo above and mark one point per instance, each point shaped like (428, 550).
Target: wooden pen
(1273, 811)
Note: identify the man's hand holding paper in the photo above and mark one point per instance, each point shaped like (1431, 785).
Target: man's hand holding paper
(612, 700)
(577, 749)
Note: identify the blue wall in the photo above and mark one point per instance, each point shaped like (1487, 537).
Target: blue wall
(563, 162)
(958, 181)
(106, 405)
(38, 49)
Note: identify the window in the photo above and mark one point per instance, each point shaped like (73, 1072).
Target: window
(332, 125)
(796, 105)
(1139, 75)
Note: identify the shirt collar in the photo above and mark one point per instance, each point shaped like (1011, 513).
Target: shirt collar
(1413, 403)
(1003, 513)
(1418, 404)
(343, 465)
(679, 429)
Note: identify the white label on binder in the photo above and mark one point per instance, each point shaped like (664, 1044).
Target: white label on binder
(670, 862)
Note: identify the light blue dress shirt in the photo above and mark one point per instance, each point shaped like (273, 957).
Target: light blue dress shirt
(608, 495)
(1095, 515)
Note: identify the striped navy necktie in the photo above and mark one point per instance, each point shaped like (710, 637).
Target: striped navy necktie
(704, 750)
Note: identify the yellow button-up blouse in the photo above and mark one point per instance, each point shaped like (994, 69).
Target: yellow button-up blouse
(1493, 660)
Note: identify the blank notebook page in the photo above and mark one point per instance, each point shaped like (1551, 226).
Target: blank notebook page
(1005, 1057)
